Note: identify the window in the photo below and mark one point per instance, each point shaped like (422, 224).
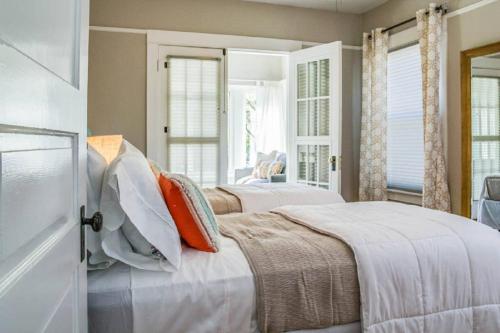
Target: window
(193, 118)
(485, 130)
(405, 134)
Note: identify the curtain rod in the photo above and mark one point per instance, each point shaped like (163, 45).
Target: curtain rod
(397, 25)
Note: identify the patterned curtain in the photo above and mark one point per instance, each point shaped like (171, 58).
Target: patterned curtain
(435, 188)
(373, 159)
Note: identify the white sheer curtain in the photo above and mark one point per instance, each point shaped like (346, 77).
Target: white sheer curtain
(266, 121)
(270, 121)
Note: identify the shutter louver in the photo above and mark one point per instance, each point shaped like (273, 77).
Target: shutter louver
(193, 118)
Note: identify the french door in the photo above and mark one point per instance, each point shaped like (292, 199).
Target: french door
(314, 129)
(192, 83)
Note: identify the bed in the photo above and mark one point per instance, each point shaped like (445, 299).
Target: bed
(259, 198)
(217, 290)
(342, 267)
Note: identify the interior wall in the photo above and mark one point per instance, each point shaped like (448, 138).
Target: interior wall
(248, 66)
(117, 86)
(469, 30)
(351, 123)
(473, 29)
(395, 11)
(231, 17)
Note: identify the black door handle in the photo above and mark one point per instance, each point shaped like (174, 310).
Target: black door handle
(95, 221)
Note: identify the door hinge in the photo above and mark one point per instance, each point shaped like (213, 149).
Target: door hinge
(165, 64)
(165, 129)
(223, 51)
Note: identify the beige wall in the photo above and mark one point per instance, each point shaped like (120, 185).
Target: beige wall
(117, 61)
(232, 17)
(117, 86)
(395, 11)
(351, 123)
(472, 29)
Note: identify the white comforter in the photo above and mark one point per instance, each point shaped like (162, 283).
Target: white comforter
(259, 198)
(419, 270)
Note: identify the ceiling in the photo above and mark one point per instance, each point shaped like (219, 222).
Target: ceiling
(343, 6)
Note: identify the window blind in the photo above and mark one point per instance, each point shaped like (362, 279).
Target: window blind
(485, 130)
(193, 118)
(405, 141)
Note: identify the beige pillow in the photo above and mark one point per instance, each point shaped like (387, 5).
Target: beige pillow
(261, 157)
(275, 168)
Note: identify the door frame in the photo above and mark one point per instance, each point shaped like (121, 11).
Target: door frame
(155, 136)
(466, 119)
(201, 53)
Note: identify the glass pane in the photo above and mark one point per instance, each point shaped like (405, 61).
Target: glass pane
(301, 81)
(193, 112)
(324, 165)
(198, 161)
(313, 118)
(301, 118)
(312, 79)
(312, 170)
(324, 77)
(301, 162)
(324, 117)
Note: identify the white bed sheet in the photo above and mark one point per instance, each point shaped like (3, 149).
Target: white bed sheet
(209, 293)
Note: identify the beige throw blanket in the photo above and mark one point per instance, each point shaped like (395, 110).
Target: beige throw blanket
(304, 279)
(222, 202)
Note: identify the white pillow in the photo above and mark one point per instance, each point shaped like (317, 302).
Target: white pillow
(96, 167)
(138, 228)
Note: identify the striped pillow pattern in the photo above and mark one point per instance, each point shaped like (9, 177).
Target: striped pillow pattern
(191, 212)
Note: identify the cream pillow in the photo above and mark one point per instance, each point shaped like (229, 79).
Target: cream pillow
(261, 157)
(138, 228)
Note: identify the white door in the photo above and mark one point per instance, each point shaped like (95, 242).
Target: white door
(315, 121)
(193, 131)
(43, 96)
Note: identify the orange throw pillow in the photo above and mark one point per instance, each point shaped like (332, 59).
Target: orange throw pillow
(183, 211)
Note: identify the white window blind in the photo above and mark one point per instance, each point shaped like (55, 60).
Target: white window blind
(485, 130)
(193, 118)
(405, 134)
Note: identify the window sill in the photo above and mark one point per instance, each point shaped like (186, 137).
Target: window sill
(404, 196)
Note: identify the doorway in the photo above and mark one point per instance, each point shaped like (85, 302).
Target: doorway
(257, 114)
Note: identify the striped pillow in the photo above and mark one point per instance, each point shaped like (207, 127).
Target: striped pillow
(191, 212)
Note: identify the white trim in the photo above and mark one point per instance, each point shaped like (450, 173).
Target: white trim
(352, 47)
(404, 196)
(469, 8)
(115, 29)
(145, 32)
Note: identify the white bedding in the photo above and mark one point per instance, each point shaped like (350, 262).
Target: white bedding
(260, 198)
(211, 292)
(419, 270)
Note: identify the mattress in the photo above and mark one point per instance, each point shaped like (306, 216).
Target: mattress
(212, 292)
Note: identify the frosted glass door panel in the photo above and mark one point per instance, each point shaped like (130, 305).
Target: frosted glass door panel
(193, 118)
